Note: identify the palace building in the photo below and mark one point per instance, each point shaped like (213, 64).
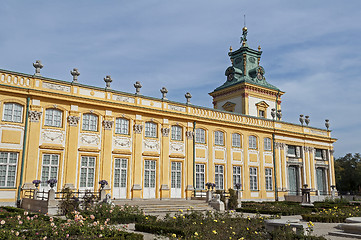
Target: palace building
(155, 148)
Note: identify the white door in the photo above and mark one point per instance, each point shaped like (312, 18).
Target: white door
(149, 179)
(120, 178)
(176, 180)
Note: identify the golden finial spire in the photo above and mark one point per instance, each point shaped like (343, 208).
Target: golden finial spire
(259, 47)
(230, 48)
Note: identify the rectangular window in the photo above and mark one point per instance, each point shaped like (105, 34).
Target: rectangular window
(150, 129)
(218, 138)
(318, 154)
(200, 135)
(176, 133)
(252, 142)
(8, 164)
(261, 113)
(49, 168)
(87, 172)
(53, 117)
(122, 126)
(236, 140)
(253, 181)
(120, 172)
(268, 173)
(291, 151)
(200, 176)
(267, 144)
(218, 176)
(236, 176)
(90, 122)
(12, 112)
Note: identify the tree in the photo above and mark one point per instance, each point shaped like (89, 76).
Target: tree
(348, 173)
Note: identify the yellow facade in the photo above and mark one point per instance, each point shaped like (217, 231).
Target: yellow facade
(139, 166)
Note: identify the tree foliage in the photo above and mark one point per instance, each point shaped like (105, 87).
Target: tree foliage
(348, 173)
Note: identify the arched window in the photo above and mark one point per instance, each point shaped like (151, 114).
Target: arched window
(122, 126)
(13, 112)
(236, 140)
(150, 129)
(252, 142)
(90, 122)
(267, 144)
(176, 133)
(200, 135)
(53, 117)
(218, 138)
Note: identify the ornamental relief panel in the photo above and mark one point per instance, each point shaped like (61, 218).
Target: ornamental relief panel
(52, 136)
(89, 139)
(151, 145)
(122, 142)
(176, 147)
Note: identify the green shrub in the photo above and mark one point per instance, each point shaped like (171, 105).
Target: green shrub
(158, 229)
(233, 201)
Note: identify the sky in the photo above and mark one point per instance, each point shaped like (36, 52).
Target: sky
(311, 50)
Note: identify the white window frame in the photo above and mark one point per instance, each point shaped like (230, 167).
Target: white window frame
(120, 172)
(269, 179)
(150, 129)
(176, 133)
(291, 154)
(200, 176)
(13, 112)
(88, 170)
(236, 140)
(219, 138)
(8, 169)
(51, 166)
(267, 144)
(219, 176)
(318, 157)
(252, 142)
(90, 122)
(253, 179)
(200, 135)
(53, 117)
(122, 126)
(237, 176)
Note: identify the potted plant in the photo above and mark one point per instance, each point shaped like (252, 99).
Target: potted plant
(52, 182)
(36, 183)
(103, 183)
(209, 185)
(238, 186)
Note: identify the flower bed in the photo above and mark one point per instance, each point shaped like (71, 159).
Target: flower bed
(16, 223)
(274, 208)
(333, 215)
(193, 225)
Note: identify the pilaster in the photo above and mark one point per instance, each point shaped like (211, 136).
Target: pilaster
(164, 161)
(138, 159)
(106, 164)
(71, 149)
(32, 156)
(229, 167)
(188, 168)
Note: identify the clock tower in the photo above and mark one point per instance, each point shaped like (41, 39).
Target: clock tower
(246, 90)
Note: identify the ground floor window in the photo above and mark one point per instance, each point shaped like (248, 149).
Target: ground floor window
(120, 172)
(8, 163)
(236, 176)
(87, 172)
(49, 168)
(219, 176)
(253, 185)
(200, 176)
(268, 174)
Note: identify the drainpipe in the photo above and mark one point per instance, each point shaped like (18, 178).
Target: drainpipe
(274, 152)
(24, 148)
(194, 157)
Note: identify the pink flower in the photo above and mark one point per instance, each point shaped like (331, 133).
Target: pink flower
(26, 213)
(28, 218)
(20, 222)
(67, 235)
(92, 217)
(17, 234)
(95, 223)
(2, 222)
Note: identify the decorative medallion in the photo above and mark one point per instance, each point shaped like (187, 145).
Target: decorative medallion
(34, 116)
(73, 120)
(165, 132)
(138, 128)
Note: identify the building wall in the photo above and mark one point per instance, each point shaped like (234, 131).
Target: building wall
(70, 142)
